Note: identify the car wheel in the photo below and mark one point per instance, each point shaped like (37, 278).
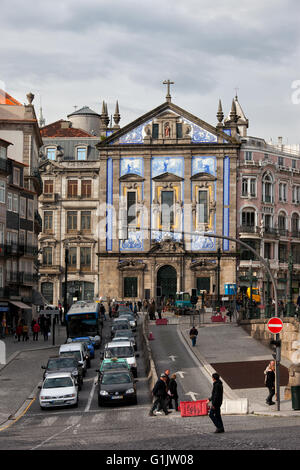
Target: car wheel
(76, 404)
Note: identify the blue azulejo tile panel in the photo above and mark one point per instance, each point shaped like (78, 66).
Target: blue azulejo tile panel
(204, 164)
(132, 165)
(161, 165)
(198, 134)
(109, 202)
(159, 235)
(135, 136)
(134, 242)
(226, 201)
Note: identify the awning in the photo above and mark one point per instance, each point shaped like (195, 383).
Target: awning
(20, 305)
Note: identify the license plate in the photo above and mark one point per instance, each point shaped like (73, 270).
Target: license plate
(57, 402)
(117, 398)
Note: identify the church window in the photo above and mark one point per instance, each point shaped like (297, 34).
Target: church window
(131, 207)
(202, 207)
(179, 130)
(130, 287)
(155, 131)
(167, 211)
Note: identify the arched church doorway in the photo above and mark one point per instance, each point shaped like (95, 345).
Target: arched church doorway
(167, 281)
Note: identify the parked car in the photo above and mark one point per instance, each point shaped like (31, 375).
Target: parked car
(65, 364)
(116, 386)
(121, 335)
(58, 389)
(113, 364)
(89, 343)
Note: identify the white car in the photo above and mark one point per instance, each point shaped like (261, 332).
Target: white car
(58, 389)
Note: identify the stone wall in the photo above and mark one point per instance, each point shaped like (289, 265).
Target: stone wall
(290, 332)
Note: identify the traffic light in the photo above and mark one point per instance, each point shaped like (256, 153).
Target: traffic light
(276, 343)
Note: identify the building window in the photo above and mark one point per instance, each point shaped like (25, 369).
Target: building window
(248, 187)
(248, 218)
(47, 291)
(294, 164)
(48, 187)
(72, 259)
(9, 201)
(23, 207)
(15, 204)
(72, 188)
(3, 152)
(248, 156)
(296, 194)
(86, 189)
(295, 224)
(50, 153)
(16, 176)
(22, 238)
(30, 209)
(267, 250)
(282, 223)
(131, 207)
(71, 221)
(282, 192)
(167, 214)
(130, 287)
(85, 221)
(81, 153)
(202, 207)
(280, 161)
(47, 256)
(48, 221)
(2, 191)
(85, 259)
(267, 188)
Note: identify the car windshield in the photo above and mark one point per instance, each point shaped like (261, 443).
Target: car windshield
(61, 363)
(58, 382)
(114, 365)
(121, 351)
(116, 378)
(72, 353)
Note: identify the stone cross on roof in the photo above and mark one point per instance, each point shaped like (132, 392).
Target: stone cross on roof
(168, 83)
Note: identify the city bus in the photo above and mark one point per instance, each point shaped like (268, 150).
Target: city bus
(83, 319)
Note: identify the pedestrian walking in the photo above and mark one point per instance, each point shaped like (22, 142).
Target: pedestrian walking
(140, 305)
(270, 382)
(173, 392)
(193, 335)
(3, 326)
(151, 310)
(102, 311)
(36, 330)
(25, 332)
(160, 394)
(216, 400)
(46, 329)
(19, 331)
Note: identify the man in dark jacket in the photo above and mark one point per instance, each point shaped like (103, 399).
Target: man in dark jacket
(173, 392)
(270, 382)
(160, 393)
(216, 402)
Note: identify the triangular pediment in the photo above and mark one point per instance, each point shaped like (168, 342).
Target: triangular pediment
(139, 131)
(131, 177)
(167, 177)
(203, 176)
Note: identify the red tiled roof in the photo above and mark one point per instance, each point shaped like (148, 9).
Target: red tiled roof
(5, 98)
(56, 130)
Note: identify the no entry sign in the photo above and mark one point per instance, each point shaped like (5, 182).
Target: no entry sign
(275, 325)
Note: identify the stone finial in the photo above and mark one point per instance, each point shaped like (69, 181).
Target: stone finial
(220, 114)
(30, 97)
(117, 116)
(233, 116)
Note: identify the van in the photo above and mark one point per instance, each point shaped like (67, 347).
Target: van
(255, 294)
(77, 350)
(122, 350)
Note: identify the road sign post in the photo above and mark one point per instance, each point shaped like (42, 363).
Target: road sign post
(275, 326)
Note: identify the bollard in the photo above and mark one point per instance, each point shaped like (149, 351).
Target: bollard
(150, 337)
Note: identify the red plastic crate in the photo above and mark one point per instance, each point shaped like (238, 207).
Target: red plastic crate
(193, 408)
(218, 318)
(161, 321)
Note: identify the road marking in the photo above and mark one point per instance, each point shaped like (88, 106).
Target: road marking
(192, 395)
(20, 416)
(50, 438)
(181, 373)
(74, 420)
(91, 394)
(173, 358)
(49, 421)
(98, 418)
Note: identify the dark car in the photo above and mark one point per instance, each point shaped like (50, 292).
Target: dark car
(116, 386)
(119, 325)
(65, 364)
(123, 334)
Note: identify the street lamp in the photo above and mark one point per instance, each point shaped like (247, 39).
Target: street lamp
(66, 280)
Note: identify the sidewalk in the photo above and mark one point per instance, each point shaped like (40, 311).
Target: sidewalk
(228, 342)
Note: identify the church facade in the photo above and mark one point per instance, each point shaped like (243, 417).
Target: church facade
(165, 179)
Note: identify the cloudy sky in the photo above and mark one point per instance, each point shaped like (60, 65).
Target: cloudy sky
(80, 52)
